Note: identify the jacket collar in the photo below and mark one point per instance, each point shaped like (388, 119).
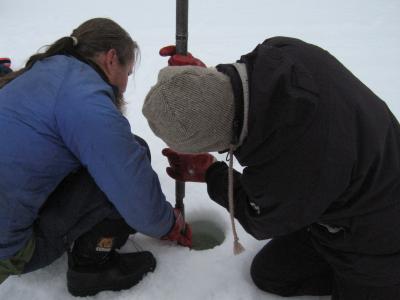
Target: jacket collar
(95, 67)
(238, 76)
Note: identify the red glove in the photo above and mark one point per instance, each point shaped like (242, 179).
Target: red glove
(180, 232)
(188, 167)
(178, 59)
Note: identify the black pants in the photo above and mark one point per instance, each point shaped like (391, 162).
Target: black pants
(77, 206)
(290, 266)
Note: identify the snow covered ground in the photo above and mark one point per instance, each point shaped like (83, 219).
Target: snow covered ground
(364, 35)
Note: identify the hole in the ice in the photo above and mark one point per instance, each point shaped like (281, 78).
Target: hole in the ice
(207, 233)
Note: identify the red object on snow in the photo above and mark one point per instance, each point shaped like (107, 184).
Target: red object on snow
(5, 61)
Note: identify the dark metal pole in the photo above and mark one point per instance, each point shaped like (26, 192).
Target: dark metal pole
(182, 8)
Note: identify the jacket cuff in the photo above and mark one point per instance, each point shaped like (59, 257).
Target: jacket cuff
(217, 184)
(213, 170)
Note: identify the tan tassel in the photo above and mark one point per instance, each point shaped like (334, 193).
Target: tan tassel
(237, 246)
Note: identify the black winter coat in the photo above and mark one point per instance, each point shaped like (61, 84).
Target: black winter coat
(322, 152)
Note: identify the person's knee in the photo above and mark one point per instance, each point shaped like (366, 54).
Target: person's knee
(267, 280)
(144, 144)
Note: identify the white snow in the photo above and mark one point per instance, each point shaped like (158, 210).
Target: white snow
(363, 35)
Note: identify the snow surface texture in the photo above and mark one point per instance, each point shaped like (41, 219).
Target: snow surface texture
(363, 35)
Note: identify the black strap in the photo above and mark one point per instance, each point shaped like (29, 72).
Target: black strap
(232, 73)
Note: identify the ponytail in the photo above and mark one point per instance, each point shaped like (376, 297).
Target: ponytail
(90, 38)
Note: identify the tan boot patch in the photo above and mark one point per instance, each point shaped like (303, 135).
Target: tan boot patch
(105, 244)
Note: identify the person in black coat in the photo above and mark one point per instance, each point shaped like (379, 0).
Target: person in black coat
(321, 158)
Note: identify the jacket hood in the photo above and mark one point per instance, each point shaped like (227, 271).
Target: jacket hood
(283, 103)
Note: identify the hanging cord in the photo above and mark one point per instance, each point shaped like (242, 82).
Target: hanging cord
(237, 246)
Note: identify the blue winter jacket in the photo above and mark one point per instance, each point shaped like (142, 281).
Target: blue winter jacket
(55, 118)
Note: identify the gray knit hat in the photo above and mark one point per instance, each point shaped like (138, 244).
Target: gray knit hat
(191, 109)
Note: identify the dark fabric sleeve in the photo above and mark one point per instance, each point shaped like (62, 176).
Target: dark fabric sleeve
(217, 182)
(282, 206)
(217, 187)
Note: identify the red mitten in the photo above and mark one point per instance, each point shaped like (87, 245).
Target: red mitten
(180, 232)
(188, 167)
(178, 59)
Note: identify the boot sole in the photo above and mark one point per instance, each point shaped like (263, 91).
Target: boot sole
(125, 284)
(92, 292)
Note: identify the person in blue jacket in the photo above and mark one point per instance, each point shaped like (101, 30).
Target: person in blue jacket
(72, 175)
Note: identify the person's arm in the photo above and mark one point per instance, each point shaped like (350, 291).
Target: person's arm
(203, 167)
(267, 202)
(101, 139)
(217, 187)
(271, 201)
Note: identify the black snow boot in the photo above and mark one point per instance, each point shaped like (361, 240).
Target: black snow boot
(95, 266)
